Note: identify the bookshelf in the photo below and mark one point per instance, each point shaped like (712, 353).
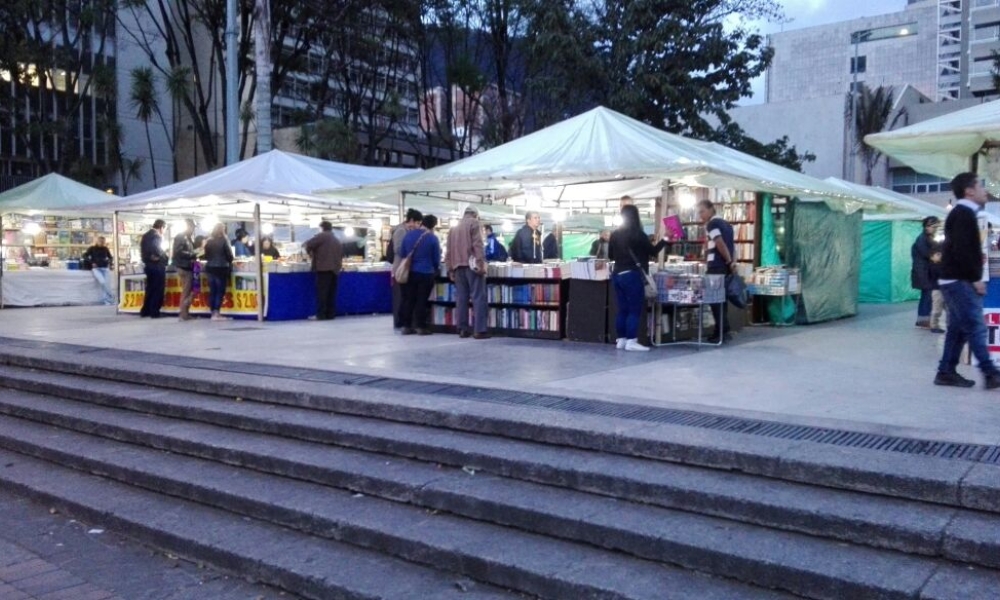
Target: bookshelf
(66, 239)
(518, 307)
(739, 209)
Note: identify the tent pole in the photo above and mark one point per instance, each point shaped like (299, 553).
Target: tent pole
(402, 205)
(116, 261)
(3, 262)
(259, 261)
(974, 163)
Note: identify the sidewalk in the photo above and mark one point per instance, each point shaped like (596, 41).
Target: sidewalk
(871, 373)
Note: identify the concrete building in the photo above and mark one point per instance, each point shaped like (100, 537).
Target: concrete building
(933, 54)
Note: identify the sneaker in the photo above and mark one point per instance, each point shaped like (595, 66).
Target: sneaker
(481, 336)
(221, 318)
(465, 334)
(635, 346)
(992, 382)
(956, 380)
(620, 343)
(937, 330)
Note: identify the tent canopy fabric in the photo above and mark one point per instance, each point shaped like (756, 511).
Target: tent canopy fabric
(944, 145)
(281, 182)
(894, 206)
(53, 192)
(602, 154)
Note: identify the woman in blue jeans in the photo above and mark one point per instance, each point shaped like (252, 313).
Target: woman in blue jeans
(631, 250)
(218, 265)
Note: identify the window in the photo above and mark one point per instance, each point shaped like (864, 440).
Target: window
(861, 64)
(906, 181)
(986, 33)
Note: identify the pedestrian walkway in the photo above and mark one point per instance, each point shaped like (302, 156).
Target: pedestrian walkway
(871, 373)
(26, 576)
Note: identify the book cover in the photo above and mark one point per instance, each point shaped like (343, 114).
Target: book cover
(673, 227)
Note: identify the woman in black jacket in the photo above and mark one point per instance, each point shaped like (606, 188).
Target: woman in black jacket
(923, 274)
(631, 250)
(219, 266)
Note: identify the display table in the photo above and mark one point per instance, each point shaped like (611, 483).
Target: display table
(287, 296)
(50, 287)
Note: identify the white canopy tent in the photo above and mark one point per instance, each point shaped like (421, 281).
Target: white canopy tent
(947, 145)
(51, 193)
(276, 185)
(895, 206)
(599, 155)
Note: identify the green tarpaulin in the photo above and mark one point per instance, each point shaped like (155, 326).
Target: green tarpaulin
(825, 246)
(885, 261)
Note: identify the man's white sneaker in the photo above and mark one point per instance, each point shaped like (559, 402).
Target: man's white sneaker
(635, 346)
(621, 343)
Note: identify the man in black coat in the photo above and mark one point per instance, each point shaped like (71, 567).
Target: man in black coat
(154, 261)
(962, 285)
(922, 273)
(526, 247)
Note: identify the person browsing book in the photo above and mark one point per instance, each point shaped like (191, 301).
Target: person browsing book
(720, 259)
(466, 263)
(424, 248)
(631, 250)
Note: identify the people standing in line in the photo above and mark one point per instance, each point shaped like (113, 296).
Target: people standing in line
(327, 253)
(423, 246)
(267, 249)
(100, 260)
(219, 266)
(963, 287)
(184, 257)
(494, 251)
(154, 261)
(720, 259)
(466, 264)
(413, 219)
(526, 247)
(599, 249)
(631, 250)
(921, 275)
(241, 244)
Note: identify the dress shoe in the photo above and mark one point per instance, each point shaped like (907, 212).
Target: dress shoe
(424, 332)
(481, 336)
(937, 330)
(955, 380)
(409, 331)
(992, 382)
(465, 334)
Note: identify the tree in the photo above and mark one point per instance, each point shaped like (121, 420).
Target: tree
(329, 139)
(142, 97)
(876, 112)
(672, 63)
(53, 51)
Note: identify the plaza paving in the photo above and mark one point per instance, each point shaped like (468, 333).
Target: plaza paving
(870, 373)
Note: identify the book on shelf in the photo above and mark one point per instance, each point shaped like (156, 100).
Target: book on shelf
(527, 319)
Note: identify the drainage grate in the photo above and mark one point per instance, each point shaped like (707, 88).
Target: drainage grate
(688, 418)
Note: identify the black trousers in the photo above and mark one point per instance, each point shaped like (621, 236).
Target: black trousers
(397, 304)
(326, 295)
(720, 312)
(156, 283)
(416, 296)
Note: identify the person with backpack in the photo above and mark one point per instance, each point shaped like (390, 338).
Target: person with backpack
(495, 252)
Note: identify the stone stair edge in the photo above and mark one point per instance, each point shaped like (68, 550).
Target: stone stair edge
(965, 545)
(792, 574)
(916, 477)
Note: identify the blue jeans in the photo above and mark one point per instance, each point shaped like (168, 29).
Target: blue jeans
(216, 289)
(630, 289)
(103, 277)
(924, 306)
(966, 324)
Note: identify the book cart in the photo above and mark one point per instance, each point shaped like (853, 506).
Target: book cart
(526, 301)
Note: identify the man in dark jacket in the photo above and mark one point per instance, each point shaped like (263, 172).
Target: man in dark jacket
(154, 261)
(921, 274)
(962, 285)
(526, 247)
(599, 249)
(495, 252)
(100, 261)
(327, 259)
(183, 260)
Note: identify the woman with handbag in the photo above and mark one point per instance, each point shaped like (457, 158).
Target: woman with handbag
(421, 257)
(631, 250)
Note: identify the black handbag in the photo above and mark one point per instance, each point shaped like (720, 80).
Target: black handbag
(736, 291)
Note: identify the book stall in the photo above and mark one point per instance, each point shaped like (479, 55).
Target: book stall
(46, 226)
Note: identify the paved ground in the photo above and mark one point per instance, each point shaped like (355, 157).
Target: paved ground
(46, 556)
(871, 373)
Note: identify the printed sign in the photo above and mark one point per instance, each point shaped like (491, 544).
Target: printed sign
(240, 299)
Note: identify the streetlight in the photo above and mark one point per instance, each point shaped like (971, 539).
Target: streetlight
(857, 38)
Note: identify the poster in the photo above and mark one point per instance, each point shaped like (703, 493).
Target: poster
(240, 299)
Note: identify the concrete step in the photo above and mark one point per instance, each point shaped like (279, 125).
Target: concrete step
(313, 567)
(866, 519)
(532, 564)
(799, 564)
(936, 480)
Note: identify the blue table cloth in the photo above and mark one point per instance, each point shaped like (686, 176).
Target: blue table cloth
(293, 295)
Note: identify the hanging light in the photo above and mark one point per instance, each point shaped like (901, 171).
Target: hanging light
(209, 222)
(616, 220)
(506, 226)
(453, 223)
(31, 228)
(558, 216)
(267, 228)
(348, 231)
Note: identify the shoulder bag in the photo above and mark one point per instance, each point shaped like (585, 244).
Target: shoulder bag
(649, 286)
(402, 271)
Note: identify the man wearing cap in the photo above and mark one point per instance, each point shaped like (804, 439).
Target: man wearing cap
(327, 255)
(154, 261)
(466, 265)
